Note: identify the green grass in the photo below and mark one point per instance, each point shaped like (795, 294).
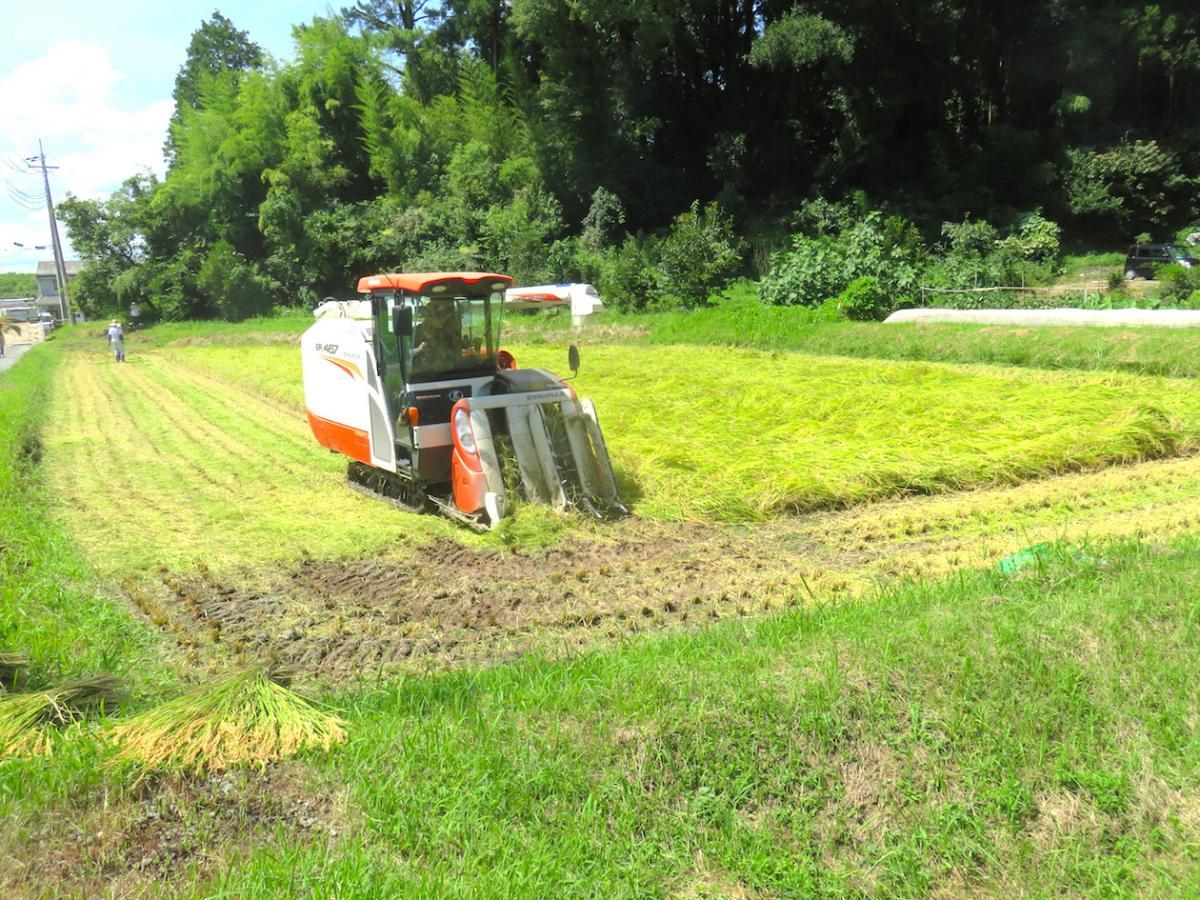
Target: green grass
(213, 331)
(50, 606)
(1033, 735)
(1074, 263)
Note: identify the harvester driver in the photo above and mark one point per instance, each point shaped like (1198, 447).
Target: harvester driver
(438, 338)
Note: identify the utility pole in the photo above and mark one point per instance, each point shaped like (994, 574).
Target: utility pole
(60, 266)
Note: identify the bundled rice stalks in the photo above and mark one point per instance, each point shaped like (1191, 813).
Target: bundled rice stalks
(248, 718)
(28, 720)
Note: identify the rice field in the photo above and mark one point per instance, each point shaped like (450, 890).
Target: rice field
(198, 456)
(961, 736)
(745, 435)
(154, 464)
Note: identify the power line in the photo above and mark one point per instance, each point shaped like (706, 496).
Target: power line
(21, 200)
(25, 195)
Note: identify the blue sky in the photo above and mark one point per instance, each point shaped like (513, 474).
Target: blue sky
(94, 81)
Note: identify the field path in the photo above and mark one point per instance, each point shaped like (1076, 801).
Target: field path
(208, 504)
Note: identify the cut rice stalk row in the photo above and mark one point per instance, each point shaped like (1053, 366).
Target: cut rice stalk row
(28, 721)
(246, 719)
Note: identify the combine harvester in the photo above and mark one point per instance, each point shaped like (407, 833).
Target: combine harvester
(412, 385)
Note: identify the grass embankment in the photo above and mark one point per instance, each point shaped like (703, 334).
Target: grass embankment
(739, 320)
(1035, 735)
(1146, 351)
(745, 435)
(49, 606)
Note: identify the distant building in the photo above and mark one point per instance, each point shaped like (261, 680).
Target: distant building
(47, 284)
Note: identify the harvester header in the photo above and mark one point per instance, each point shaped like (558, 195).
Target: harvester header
(411, 384)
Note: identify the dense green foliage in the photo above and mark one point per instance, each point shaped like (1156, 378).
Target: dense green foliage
(591, 140)
(839, 243)
(17, 284)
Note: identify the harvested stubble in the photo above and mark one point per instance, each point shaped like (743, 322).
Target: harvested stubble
(246, 719)
(28, 720)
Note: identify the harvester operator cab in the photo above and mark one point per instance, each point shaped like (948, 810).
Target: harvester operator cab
(436, 340)
(437, 343)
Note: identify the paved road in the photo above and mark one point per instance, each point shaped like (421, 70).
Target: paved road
(12, 354)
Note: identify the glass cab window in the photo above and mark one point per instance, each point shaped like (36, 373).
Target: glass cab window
(452, 336)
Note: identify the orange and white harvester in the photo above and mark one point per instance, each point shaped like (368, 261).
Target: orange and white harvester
(411, 384)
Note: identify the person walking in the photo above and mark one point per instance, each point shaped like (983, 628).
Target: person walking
(116, 340)
(135, 316)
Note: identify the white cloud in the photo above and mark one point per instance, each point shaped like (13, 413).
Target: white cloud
(79, 104)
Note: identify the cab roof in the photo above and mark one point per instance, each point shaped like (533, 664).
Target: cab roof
(422, 282)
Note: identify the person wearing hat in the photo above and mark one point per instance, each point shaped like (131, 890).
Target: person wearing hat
(438, 338)
(116, 340)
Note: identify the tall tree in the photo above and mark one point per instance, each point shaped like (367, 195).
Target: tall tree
(216, 47)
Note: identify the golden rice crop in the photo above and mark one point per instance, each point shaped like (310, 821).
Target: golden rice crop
(28, 720)
(732, 435)
(248, 718)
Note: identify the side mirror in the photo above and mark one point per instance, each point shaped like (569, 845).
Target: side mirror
(573, 360)
(402, 321)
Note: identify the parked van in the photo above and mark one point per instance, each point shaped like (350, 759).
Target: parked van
(1144, 260)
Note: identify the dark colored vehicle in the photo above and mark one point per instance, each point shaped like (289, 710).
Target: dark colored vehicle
(1144, 260)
